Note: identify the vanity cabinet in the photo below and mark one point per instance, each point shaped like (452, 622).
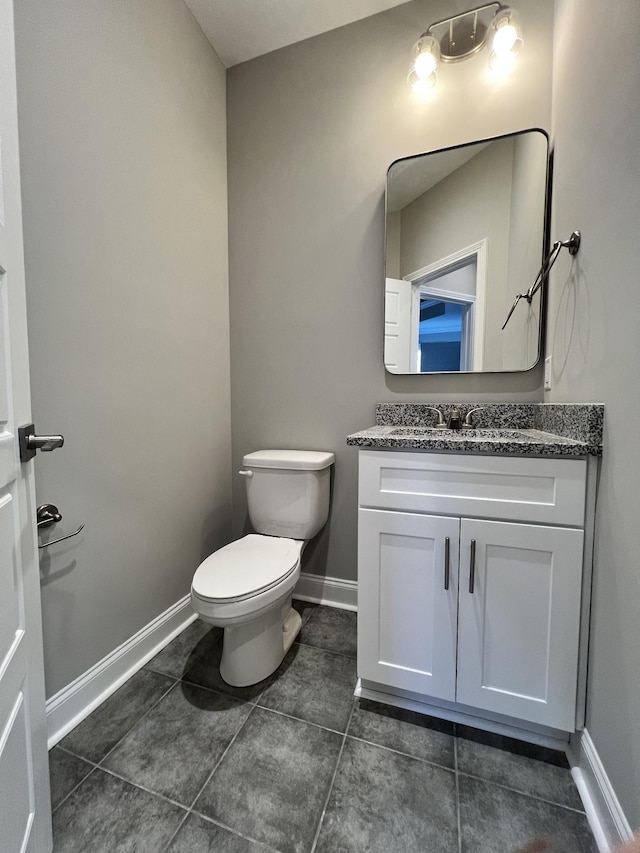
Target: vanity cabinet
(470, 580)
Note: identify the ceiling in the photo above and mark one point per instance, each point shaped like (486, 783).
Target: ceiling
(243, 29)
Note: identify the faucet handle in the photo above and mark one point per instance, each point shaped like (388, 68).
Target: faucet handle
(440, 421)
(468, 420)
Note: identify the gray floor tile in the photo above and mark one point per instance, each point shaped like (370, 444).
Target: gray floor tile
(102, 730)
(269, 790)
(206, 673)
(175, 747)
(382, 801)
(183, 651)
(105, 814)
(523, 774)
(405, 731)
(313, 685)
(201, 836)
(272, 783)
(65, 772)
(332, 629)
(495, 820)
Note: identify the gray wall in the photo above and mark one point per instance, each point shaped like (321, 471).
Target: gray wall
(312, 131)
(123, 143)
(593, 338)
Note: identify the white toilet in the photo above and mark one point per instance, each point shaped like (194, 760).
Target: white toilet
(246, 587)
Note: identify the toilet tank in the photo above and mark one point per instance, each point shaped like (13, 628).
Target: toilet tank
(288, 491)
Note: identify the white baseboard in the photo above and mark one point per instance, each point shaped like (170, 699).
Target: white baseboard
(77, 700)
(334, 592)
(608, 823)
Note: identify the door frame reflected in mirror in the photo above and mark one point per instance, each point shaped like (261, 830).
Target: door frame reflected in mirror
(421, 281)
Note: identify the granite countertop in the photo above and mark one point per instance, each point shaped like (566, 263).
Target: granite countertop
(536, 429)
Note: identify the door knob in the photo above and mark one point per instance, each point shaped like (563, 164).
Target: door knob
(30, 442)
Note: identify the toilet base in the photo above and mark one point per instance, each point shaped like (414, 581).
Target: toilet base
(253, 650)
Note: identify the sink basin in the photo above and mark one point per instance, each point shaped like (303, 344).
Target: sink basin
(488, 434)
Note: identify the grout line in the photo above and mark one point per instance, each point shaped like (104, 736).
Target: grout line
(75, 754)
(263, 845)
(139, 720)
(178, 828)
(322, 649)
(94, 767)
(219, 761)
(404, 754)
(140, 787)
(521, 793)
(333, 779)
(254, 701)
(190, 808)
(302, 720)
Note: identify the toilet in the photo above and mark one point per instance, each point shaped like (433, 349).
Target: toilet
(246, 587)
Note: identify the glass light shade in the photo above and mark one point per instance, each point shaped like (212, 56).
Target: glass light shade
(422, 85)
(507, 36)
(501, 63)
(426, 57)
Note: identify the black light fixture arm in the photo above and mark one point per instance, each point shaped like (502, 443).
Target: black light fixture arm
(572, 244)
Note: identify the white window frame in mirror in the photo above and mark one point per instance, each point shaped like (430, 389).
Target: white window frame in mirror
(475, 317)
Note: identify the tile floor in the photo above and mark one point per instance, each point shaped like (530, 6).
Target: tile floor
(176, 760)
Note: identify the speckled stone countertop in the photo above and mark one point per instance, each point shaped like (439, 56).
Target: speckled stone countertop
(535, 429)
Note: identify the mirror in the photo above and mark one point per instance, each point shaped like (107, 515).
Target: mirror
(465, 233)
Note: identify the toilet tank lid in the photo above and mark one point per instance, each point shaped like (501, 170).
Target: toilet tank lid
(304, 460)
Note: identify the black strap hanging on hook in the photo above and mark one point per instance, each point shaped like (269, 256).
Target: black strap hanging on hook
(572, 244)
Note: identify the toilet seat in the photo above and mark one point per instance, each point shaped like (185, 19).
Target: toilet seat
(245, 568)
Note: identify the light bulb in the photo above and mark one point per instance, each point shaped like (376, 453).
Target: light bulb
(426, 55)
(425, 64)
(505, 38)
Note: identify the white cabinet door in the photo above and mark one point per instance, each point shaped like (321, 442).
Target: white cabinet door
(518, 629)
(407, 607)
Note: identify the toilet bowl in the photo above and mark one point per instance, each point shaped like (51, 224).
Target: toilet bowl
(246, 587)
(243, 588)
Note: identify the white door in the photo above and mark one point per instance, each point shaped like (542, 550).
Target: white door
(398, 356)
(407, 601)
(25, 813)
(518, 628)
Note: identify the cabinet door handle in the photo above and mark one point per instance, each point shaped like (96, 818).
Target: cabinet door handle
(472, 566)
(446, 562)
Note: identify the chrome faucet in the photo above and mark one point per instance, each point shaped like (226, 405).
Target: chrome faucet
(454, 421)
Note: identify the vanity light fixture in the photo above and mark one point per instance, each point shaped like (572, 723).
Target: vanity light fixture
(572, 244)
(461, 37)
